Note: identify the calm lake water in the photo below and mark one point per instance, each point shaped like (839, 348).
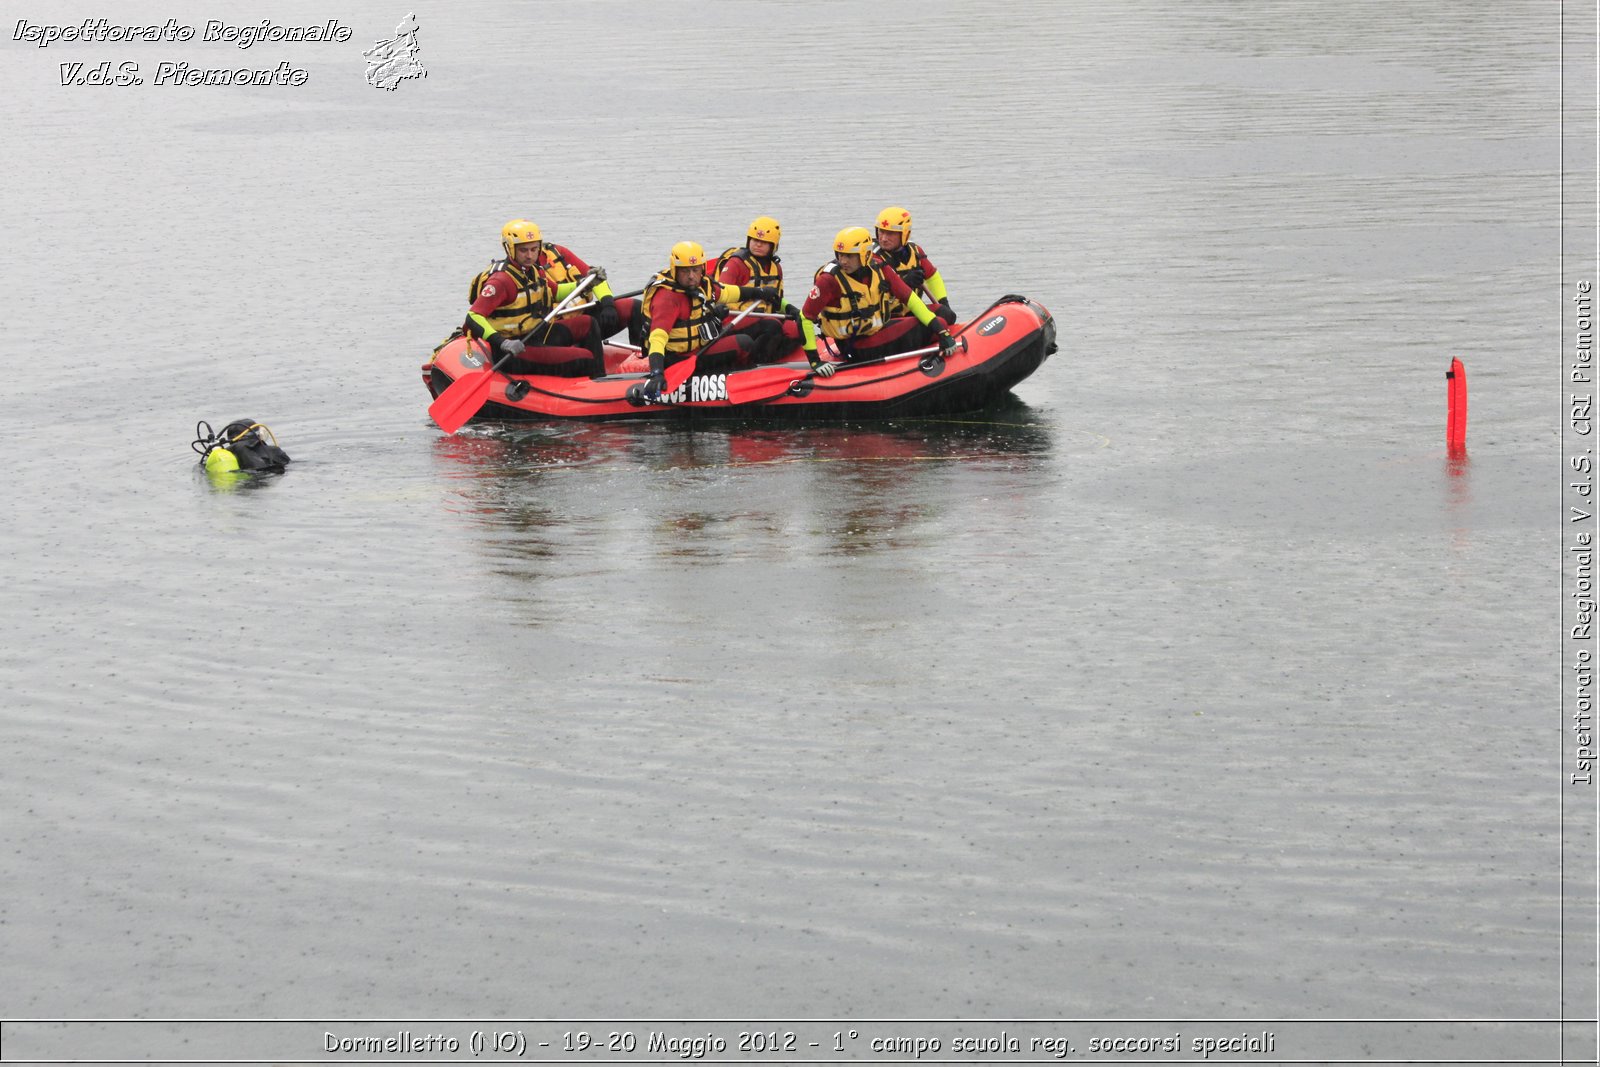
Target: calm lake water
(1196, 683)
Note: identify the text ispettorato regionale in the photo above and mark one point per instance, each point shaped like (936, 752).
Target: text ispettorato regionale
(102, 31)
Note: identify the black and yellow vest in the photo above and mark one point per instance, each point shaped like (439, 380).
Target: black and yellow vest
(862, 310)
(905, 261)
(769, 276)
(701, 327)
(523, 312)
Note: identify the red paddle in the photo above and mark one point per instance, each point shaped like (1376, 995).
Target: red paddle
(467, 394)
(673, 377)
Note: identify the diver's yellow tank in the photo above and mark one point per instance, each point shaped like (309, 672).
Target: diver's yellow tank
(220, 460)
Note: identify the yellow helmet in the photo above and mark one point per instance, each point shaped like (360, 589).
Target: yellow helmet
(686, 254)
(765, 228)
(518, 232)
(896, 220)
(854, 240)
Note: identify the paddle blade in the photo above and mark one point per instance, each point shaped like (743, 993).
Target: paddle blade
(679, 373)
(761, 383)
(463, 399)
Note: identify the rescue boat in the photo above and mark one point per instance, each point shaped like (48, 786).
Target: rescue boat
(996, 350)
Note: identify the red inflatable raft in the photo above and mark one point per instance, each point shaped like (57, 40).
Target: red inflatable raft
(1000, 348)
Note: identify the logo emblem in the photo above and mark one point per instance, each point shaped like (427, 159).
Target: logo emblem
(470, 358)
(992, 325)
(393, 61)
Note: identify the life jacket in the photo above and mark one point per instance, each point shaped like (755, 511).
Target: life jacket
(555, 265)
(905, 261)
(523, 311)
(769, 276)
(700, 329)
(862, 310)
(559, 269)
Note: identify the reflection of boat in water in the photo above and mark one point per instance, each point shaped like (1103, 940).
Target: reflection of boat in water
(1003, 345)
(1007, 429)
(733, 488)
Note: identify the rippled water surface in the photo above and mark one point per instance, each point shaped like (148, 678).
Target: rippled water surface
(1195, 682)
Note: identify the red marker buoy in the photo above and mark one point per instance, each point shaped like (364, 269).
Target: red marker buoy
(1455, 425)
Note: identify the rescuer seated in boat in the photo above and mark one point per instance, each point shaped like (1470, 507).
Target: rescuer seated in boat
(509, 305)
(683, 315)
(608, 313)
(757, 265)
(851, 300)
(907, 259)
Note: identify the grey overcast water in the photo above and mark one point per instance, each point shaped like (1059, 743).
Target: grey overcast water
(1197, 683)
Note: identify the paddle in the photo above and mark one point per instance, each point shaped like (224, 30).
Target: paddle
(467, 394)
(759, 383)
(674, 376)
(616, 296)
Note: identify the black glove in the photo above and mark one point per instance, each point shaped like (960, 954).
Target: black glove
(759, 292)
(715, 310)
(945, 311)
(819, 366)
(947, 344)
(607, 319)
(914, 277)
(793, 313)
(653, 385)
(510, 346)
